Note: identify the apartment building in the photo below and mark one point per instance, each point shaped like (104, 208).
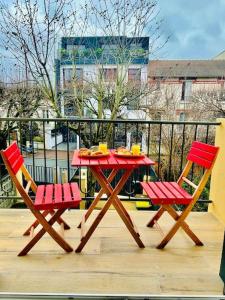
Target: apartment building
(83, 60)
(178, 83)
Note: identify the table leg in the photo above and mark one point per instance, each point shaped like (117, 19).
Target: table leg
(98, 197)
(103, 211)
(120, 205)
(117, 203)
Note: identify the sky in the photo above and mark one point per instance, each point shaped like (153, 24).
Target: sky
(196, 28)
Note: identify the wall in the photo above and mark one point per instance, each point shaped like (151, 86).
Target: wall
(50, 140)
(217, 187)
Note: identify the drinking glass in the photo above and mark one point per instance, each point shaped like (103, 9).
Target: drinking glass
(103, 147)
(136, 149)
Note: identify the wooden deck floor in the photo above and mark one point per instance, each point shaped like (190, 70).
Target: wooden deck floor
(111, 263)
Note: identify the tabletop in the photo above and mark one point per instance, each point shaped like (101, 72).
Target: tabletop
(111, 161)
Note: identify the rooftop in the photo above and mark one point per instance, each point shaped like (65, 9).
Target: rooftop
(186, 68)
(111, 263)
(99, 41)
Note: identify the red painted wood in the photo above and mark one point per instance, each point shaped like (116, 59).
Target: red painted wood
(205, 147)
(40, 195)
(58, 193)
(199, 161)
(75, 192)
(172, 188)
(67, 197)
(148, 190)
(57, 196)
(111, 162)
(157, 191)
(203, 154)
(48, 199)
(11, 149)
(166, 193)
(14, 157)
(184, 193)
(125, 161)
(17, 164)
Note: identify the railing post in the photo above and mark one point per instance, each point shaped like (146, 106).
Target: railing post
(217, 190)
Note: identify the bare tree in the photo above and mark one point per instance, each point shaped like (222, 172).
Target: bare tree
(17, 102)
(209, 104)
(107, 98)
(29, 32)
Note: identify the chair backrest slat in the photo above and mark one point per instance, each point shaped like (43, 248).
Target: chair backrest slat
(202, 154)
(14, 158)
(205, 147)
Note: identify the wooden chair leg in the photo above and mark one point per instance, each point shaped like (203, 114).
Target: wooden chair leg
(47, 227)
(45, 213)
(35, 224)
(60, 221)
(156, 217)
(184, 225)
(176, 226)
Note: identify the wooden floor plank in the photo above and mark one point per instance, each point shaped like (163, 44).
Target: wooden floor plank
(111, 262)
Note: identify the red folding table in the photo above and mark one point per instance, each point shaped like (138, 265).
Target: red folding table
(97, 165)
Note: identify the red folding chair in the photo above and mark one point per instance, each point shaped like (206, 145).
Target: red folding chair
(167, 194)
(51, 199)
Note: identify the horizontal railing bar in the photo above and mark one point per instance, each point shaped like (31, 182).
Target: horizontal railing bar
(109, 121)
(102, 199)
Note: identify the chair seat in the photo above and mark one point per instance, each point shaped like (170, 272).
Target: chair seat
(166, 193)
(57, 196)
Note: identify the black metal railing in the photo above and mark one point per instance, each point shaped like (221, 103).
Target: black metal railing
(48, 145)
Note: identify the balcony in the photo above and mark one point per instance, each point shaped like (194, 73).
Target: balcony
(111, 263)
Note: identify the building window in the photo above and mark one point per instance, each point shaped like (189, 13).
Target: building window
(134, 75)
(67, 76)
(109, 74)
(45, 113)
(71, 75)
(78, 75)
(135, 46)
(186, 90)
(75, 47)
(182, 117)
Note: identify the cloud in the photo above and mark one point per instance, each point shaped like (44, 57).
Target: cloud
(197, 28)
